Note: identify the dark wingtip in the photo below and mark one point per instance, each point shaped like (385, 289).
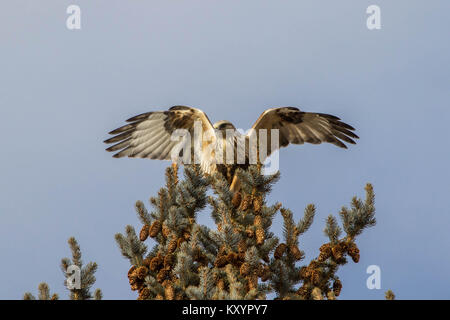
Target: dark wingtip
(139, 117)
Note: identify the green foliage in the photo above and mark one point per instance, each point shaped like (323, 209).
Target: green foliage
(87, 278)
(241, 258)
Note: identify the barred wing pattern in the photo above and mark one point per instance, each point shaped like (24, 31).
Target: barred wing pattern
(298, 127)
(149, 135)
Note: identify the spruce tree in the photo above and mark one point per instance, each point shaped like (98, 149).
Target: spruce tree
(241, 258)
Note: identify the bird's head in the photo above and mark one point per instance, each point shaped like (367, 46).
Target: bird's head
(223, 125)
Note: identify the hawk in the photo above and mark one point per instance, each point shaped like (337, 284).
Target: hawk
(150, 135)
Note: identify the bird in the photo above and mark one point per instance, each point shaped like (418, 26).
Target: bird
(150, 135)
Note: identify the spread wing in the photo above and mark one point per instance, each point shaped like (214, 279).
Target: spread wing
(298, 127)
(149, 135)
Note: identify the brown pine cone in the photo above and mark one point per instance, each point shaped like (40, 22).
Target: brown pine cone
(169, 292)
(221, 261)
(304, 273)
(172, 246)
(257, 204)
(242, 246)
(325, 252)
(131, 271)
(315, 277)
(236, 201)
(337, 252)
(143, 235)
(232, 258)
(169, 260)
(165, 231)
(353, 252)
(264, 272)
(162, 275)
(258, 221)
(221, 284)
(296, 253)
(245, 269)
(156, 263)
(180, 241)
(137, 285)
(260, 237)
(279, 251)
(141, 272)
(144, 293)
(147, 262)
(252, 282)
(155, 228)
(337, 287)
(245, 203)
(303, 291)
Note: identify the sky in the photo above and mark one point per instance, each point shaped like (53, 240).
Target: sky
(62, 90)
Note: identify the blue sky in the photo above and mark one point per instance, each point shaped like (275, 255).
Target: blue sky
(61, 91)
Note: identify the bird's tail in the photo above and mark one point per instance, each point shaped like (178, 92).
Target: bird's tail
(235, 184)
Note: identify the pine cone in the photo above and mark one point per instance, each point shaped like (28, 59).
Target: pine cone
(257, 204)
(169, 261)
(258, 221)
(304, 273)
(315, 276)
(221, 284)
(162, 275)
(156, 262)
(147, 262)
(337, 287)
(245, 203)
(236, 201)
(136, 285)
(325, 252)
(141, 272)
(169, 292)
(296, 253)
(316, 293)
(279, 251)
(232, 258)
(155, 228)
(331, 295)
(131, 271)
(353, 252)
(143, 235)
(221, 261)
(303, 292)
(180, 241)
(252, 282)
(172, 246)
(260, 237)
(242, 246)
(245, 269)
(264, 272)
(249, 233)
(144, 293)
(165, 231)
(338, 252)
